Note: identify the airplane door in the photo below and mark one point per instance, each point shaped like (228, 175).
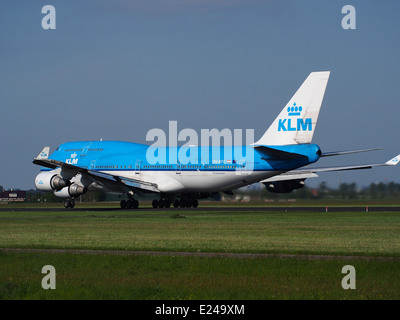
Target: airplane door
(85, 149)
(242, 168)
(178, 167)
(137, 168)
(93, 165)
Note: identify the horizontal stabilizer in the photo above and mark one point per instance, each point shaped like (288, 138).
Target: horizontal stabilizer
(330, 169)
(391, 162)
(276, 155)
(312, 172)
(338, 153)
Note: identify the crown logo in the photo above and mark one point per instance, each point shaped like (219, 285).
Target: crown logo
(294, 110)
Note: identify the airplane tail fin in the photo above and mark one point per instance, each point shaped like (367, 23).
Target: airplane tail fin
(296, 122)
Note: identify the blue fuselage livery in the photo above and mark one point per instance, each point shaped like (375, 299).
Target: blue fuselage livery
(182, 175)
(126, 156)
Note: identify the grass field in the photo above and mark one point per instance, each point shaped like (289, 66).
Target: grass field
(173, 277)
(85, 276)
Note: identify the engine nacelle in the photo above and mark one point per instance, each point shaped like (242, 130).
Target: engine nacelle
(284, 186)
(72, 191)
(50, 181)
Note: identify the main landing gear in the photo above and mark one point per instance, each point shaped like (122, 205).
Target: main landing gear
(129, 204)
(162, 203)
(69, 203)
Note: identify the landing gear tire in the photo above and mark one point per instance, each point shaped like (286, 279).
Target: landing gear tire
(155, 204)
(184, 203)
(163, 203)
(129, 204)
(70, 203)
(132, 204)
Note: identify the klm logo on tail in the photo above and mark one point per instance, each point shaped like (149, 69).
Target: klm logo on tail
(298, 124)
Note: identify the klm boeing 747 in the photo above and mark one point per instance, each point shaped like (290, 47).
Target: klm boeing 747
(277, 160)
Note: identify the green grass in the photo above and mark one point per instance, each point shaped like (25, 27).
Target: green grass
(171, 277)
(88, 276)
(348, 233)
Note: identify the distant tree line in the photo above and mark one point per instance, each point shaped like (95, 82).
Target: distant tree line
(376, 191)
(38, 196)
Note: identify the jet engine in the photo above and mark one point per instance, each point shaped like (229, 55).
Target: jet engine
(72, 191)
(50, 181)
(284, 186)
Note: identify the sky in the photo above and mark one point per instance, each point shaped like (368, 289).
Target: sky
(114, 70)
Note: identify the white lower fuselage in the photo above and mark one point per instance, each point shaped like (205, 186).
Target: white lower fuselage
(195, 181)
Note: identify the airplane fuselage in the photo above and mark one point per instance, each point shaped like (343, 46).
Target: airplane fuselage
(182, 169)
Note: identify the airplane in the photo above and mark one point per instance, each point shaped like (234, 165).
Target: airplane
(277, 160)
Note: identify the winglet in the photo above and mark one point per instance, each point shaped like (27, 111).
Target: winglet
(394, 161)
(44, 154)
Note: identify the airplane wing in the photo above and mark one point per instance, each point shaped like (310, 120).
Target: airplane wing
(312, 173)
(52, 164)
(138, 186)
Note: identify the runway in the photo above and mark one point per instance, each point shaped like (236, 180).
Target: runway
(200, 254)
(241, 209)
(60, 213)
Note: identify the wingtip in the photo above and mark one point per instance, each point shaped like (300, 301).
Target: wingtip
(44, 154)
(393, 161)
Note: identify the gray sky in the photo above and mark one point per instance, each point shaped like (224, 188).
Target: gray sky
(116, 69)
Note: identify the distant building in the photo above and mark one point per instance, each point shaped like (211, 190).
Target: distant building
(11, 196)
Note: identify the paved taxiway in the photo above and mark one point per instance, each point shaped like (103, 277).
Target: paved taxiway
(276, 209)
